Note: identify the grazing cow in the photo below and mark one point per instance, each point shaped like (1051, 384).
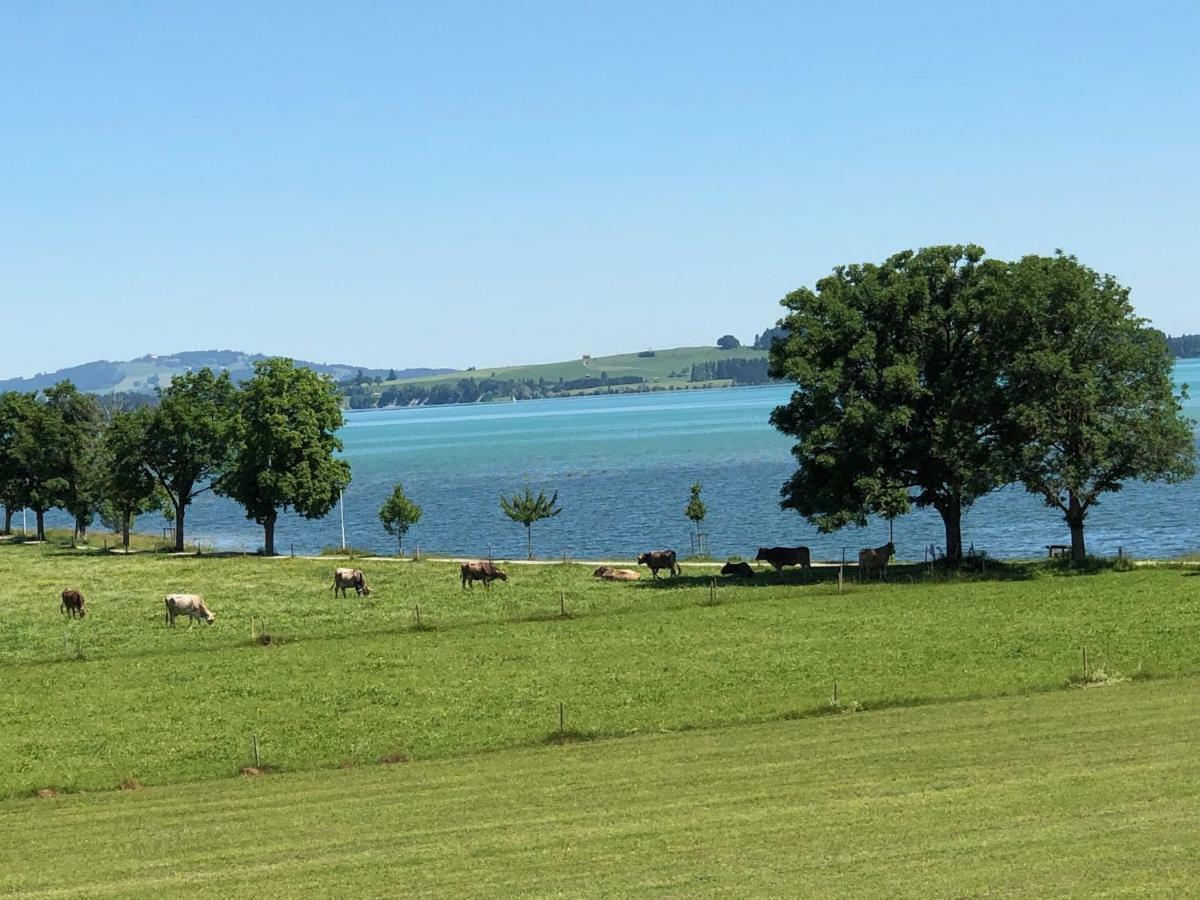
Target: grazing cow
(660, 559)
(190, 605)
(871, 558)
(480, 571)
(784, 556)
(352, 578)
(740, 569)
(608, 573)
(72, 603)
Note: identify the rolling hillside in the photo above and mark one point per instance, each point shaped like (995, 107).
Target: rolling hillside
(144, 374)
(664, 366)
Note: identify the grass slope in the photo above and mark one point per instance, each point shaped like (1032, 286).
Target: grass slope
(663, 367)
(1074, 794)
(118, 695)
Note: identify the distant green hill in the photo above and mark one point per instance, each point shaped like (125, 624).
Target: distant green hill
(144, 374)
(677, 368)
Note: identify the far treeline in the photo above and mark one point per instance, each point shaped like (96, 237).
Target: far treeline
(938, 376)
(267, 443)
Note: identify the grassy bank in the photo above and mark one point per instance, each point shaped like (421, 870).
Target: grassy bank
(88, 704)
(1077, 793)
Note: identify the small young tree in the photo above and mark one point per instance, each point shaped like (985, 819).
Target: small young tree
(398, 514)
(527, 509)
(695, 509)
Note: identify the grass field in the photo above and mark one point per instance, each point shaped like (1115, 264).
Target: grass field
(663, 367)
(1082, 793)
(89, 704)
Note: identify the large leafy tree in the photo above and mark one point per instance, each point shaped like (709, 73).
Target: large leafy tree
(10, 417)
(1091, 399)
(897, 398)
(187, 438)
(526, 509)
(129, 487)
(286, 424)
(78, 421)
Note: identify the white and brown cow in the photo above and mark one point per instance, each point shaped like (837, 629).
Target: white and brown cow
(608, 573)
(190, 605)
(350, 578)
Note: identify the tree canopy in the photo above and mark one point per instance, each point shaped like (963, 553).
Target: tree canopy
(285, 441)
(897, 389)
(1089, 391)
(188, 438)
(695, 509)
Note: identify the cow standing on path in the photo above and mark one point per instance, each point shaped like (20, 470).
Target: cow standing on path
(871, 558)
(72, 603)
(779, 557)
(480, 571)
(352, 578)
(190, 605)
(660, 559)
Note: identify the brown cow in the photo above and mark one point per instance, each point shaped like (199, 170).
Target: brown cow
(871, 558)
(344, 578)
(660, 559)
(739, 569)
(72, 603)
(480, 571)
(608, 573)
(784, 556)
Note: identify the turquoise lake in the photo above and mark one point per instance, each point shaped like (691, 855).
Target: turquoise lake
(622, 466)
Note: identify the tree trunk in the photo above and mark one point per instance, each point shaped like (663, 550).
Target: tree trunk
(1075, 516)
(40, 514)
(126, 516)
(180, 511)
(8, 514)
(399, 544)
(269, 537)
(951, 513)
(529, 540)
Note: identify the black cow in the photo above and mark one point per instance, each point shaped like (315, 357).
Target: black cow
(480, 571)
(740, 569)
(784, 556)
(871, 558)
(660, 559)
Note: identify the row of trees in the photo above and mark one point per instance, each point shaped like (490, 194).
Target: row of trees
(269, 444)
(482, 390)
(737, 370)
(939, 376)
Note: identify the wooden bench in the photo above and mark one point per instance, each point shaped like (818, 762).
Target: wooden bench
(1053, 550)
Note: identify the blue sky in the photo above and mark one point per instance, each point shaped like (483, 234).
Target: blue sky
(457, 184)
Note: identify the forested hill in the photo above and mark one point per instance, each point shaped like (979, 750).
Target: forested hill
(1185, 346)
(144, 374)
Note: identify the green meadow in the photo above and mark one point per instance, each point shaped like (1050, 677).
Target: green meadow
(1080, 793)
(119, 696)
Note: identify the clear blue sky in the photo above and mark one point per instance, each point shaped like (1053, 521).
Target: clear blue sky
(456, 184)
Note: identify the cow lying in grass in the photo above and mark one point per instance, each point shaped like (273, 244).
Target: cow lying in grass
(608, 573)
(738, 569)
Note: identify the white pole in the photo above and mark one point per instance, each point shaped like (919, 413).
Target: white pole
(342, 505)
(24, 530)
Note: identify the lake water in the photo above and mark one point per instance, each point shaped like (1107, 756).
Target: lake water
(622, 466)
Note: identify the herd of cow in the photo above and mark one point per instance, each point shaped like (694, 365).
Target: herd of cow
(870, 559)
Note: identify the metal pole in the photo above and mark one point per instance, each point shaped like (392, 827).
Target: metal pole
(342, 506)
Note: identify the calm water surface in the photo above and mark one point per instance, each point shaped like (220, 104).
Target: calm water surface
(622, 466)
